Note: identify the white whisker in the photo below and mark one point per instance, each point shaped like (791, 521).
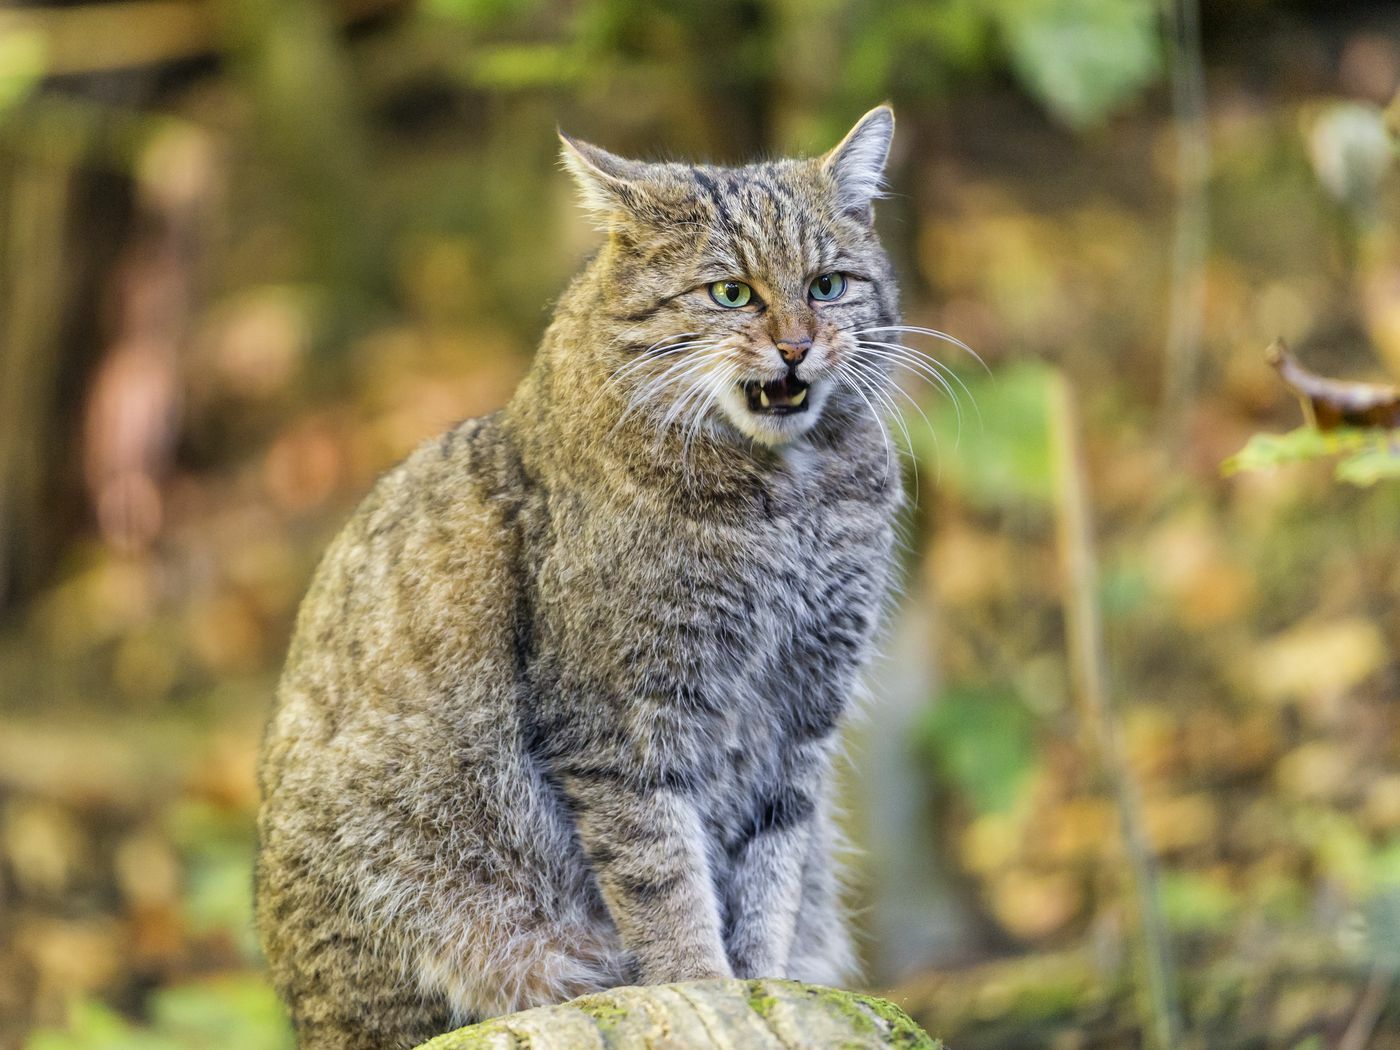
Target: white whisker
(916, 329)
(874, 383)
(717, 386)
(853, 381)
(680, 370)
(932, 433)
(649, 355)
(891, 355)
(672, 374)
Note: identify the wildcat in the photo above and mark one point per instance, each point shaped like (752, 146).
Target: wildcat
(561, 705)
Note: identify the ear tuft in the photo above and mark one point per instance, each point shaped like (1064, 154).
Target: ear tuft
(857, 164)
(603, 180)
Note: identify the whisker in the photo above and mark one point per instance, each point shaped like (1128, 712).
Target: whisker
(954, 340)
(917, 368)
(876, 382)
(916, 360)
(680, 370)
(874, 385)
(933, 362)
(854, 382)
(649, 355)
(932, 433)
(626, 332)
(688, 407)
(717, 386)
(691, 368)
(674, 372)
(913, 353)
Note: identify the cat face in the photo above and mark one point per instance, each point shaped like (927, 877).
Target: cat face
(736, 298)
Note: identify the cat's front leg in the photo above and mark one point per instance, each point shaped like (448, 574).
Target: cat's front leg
(765, 885)
(646, 843)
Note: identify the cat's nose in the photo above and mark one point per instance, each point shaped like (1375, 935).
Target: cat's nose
(793, 350)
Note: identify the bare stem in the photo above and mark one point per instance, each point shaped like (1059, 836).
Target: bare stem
(1089, 669)
(1192, 223)
(1368, 1010)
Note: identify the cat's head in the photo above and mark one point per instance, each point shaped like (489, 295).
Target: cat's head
(742, 294)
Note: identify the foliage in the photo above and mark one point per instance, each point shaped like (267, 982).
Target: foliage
(1363, 456)
(987, 438)
(21, 65)
(983, 739)
(1082, 59)
(228, 1014)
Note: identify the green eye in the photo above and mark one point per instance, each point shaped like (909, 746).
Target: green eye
(827, 286)
(732, 294)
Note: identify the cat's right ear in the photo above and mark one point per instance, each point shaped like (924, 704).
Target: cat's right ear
(606, 182)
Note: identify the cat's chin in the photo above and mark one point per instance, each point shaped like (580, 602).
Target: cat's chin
(774, 424)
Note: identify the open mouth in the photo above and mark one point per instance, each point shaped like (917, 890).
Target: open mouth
(782, 397)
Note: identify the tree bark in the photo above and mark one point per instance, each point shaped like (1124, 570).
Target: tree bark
(705, 1015)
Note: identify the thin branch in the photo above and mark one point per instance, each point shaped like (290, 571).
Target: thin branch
(1368, 1010)
(1089, 668)
(1191, 232)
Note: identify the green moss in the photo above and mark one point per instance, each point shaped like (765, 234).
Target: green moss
(848, 1005)
(761, 999)
(606, 1014)
(474, 1038)
(904, 1033)
(862, 1011)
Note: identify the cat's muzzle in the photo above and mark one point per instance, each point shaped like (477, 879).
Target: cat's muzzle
(782, 397)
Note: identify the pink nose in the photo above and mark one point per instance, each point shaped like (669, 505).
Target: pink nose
(793, 350)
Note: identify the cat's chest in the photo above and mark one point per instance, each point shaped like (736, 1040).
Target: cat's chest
(724, 592)
(815, 567)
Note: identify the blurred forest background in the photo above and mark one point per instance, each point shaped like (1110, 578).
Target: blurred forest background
(1132, 775)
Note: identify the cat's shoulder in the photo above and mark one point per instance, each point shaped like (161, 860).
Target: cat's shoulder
(458, 491)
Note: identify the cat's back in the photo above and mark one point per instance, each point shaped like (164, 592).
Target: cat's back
(416, 590)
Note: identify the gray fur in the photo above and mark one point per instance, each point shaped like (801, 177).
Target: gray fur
(562, 701)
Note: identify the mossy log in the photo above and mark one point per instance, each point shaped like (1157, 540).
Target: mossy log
(707, 1015)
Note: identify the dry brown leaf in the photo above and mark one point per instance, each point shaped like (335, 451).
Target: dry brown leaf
(1332, 403)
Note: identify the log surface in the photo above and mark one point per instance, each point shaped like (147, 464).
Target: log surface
(709, 1015)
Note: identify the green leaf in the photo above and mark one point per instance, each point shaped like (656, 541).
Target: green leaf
(93, 1026)
(479, 13)
(1081, 58)
(228, 1014)
(517, 67)
(21, 65)
(1266, 451)
(998, 452)
(983, 739)
(1380, 462)
(1190, 901)
(1370, 455)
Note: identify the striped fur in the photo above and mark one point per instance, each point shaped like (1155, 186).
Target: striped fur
(562, 701)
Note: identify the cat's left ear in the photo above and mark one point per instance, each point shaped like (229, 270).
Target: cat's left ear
(857, 164)
(606, 182)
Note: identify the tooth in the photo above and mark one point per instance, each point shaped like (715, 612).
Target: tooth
(799, 397)
(763, 397)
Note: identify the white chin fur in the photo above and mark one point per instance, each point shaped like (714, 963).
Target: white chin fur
(773, 430)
